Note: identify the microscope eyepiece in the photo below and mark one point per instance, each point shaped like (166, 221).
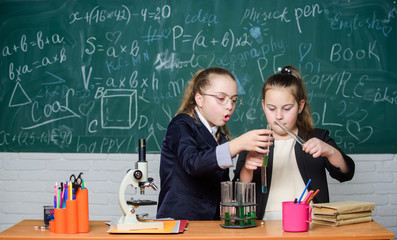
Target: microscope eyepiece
(142, 150)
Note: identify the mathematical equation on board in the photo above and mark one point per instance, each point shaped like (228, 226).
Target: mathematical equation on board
(121, 14)
(119, 79)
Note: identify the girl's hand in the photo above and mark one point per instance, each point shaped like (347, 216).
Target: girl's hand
(255, 140)
(317, 148)
(253, 160)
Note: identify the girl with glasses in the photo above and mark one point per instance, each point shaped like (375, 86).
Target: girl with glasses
(197, 150)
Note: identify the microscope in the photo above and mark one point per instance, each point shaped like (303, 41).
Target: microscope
(136, 178)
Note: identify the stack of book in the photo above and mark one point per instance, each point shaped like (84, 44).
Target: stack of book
(342, 213)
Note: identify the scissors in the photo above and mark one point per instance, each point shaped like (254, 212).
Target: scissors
(76, 182)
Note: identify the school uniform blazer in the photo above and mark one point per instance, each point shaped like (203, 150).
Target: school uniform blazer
(189, 172)
(309, 168)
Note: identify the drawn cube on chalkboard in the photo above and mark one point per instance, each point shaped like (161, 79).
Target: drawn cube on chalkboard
(119, 108)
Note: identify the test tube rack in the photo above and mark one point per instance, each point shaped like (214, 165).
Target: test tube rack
(238, 205)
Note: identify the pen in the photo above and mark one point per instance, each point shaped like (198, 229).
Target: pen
(290, 132)
(307, 185)
(62, 189)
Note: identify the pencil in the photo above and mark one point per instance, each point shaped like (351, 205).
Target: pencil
(307, 185)
(313, 195)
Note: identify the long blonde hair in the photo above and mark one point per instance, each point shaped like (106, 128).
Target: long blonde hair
(289, 77)
(199, 82)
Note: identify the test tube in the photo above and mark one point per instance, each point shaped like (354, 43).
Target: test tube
(252, 200)
(263, 169)
(240, 197)
(247, 193)
(226, 200)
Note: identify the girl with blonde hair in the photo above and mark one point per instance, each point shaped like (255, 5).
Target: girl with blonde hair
(197, 150)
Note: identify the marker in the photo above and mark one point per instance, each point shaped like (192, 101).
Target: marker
(307, 198)
(63, 203)
(56, 195)
(59, 198)
(70, 190)
(307, 185)
(314, 194)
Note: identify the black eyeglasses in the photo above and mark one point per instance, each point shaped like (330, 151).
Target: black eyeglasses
(223, 98)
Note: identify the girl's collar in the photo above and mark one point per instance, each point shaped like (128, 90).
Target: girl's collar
(213, 130)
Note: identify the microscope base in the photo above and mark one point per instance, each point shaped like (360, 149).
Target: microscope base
(130, 222)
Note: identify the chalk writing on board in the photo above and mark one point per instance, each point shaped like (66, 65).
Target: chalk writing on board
(93, 78)
(50, 112)
(358, 22)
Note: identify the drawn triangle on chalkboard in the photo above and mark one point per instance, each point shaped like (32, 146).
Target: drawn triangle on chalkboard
(19, 97)
(59, 79)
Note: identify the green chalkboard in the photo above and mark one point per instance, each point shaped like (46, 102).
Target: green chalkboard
(95, 76)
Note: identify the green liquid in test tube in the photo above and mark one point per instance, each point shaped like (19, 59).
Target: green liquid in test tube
(265, 160)
(227, 219)
(253, 218)
(241, 215)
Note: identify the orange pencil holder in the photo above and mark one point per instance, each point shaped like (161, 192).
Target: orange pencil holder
(83, 224)
(71, 216)
(52, 226)
(60, 220)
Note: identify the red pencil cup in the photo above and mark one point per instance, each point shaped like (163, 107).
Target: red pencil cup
(60, 220)
(71, 216)
(83, 224)
(296, 216)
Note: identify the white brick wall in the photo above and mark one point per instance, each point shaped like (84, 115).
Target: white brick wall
(27, 184)
(375, 180)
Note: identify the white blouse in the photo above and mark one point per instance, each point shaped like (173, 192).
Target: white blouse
(287, 183)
